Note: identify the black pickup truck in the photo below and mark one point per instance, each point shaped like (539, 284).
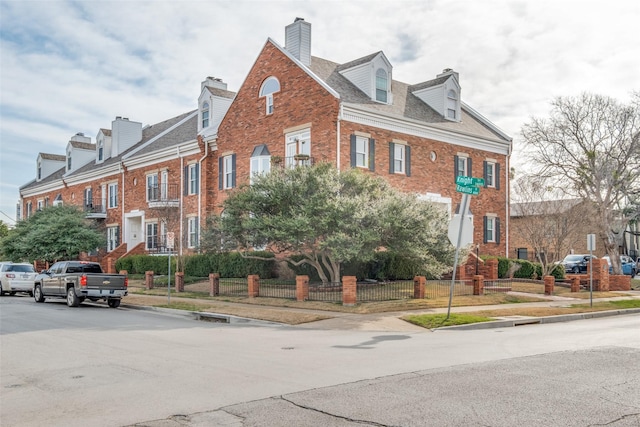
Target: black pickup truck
(80, 280)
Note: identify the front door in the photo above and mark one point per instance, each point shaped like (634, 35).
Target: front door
(135, 234)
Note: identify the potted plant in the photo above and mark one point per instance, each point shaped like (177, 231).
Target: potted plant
(301, 157)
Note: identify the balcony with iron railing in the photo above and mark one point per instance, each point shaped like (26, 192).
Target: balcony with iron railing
(94, 208)
(163, 195)
(158, 245)
(289, 162)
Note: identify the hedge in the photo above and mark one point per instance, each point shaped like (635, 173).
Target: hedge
(527, 270)
(228, 264)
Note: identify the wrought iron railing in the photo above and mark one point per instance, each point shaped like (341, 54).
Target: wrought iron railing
(163, 193)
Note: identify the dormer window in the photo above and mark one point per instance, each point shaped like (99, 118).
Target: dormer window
(100, 150)
(39, 170)
(69, 161)
(205, 115)
(270, 86)
(452, 104)
(382, 85)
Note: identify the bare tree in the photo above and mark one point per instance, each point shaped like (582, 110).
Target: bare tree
(589, 147)
(548, 224)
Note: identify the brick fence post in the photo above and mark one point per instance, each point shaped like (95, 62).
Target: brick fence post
(549, 282)
(491, 270)
(179, 281)
(419, 283)
(575, 284)
(148, 279)
(349, 290)
(302, 288)
(111, 268)
(254, 285)
(214, 284)
(478, 285)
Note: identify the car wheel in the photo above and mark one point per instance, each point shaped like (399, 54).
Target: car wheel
(576, 270)
(113, 303)
(37, 294)
(72, 298)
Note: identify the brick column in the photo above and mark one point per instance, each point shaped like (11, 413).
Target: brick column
(179, 282)
(419, 283)
(148, 279)
(601, 275)
(491, 270)
(461, 272)
(619, 283)
(549, 282)
(254, 285)
(302, 288)
(478, 285)
(575, 284)
(349, 290)
(214, 284)
(111, 268)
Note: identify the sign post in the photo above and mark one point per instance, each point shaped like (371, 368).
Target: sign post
(591, 246)
(170, 241)
(466, 185)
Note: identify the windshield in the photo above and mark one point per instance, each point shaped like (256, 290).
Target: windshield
(22, 268)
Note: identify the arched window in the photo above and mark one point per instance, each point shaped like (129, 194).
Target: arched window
(205, 115)
(270, 86)
(382, 85)
(452, 104)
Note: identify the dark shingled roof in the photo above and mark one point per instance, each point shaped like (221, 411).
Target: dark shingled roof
(83, 145)
(405, 104)
(56, 157)
(106, 132)
(221, 92)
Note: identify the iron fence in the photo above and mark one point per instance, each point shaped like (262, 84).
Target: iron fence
(327, 292)
(274, 288)
(234, 287)
(497, 286)
(441, 288)
(384, 291)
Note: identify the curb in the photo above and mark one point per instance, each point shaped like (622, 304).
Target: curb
(203, 316)
(540, 320)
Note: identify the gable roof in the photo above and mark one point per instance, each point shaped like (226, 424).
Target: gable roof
(56, 157)
(221, 92)
(82, 145)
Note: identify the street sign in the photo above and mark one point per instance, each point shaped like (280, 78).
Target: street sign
(591, 242)
(170, 239)
(469, 181)
(474, 191)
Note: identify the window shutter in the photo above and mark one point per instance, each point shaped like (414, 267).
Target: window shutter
(220, 172)
(455, 168)
(197, 178)
(353, 151)
(484, 228)
(407, 160)
(186, 180)
(469, 167)
(484, 172)
(233, 171)
(497, 227)
(391, 157)
(497, 176)
(197, 231)
(117, 236)
(372, 154)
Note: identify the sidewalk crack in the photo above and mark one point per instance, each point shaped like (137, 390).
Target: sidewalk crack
(371, 423)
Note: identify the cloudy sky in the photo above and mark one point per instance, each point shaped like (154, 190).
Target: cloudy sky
(73, 66)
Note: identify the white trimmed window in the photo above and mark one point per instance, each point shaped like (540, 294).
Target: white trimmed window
(452, 104)
(193, 232)
(100, 150)
(260, 161)
(462, 165)
(113, 238)
(205, 115)
(152, 187)
(40, 205)
(270, 86)
(362, 152)
(152, 235)
(298, 144)
(113, 195)
(491, 232)
(491, 174)
(193, 178)
(382, 86)
(227, 172)
(399, 158)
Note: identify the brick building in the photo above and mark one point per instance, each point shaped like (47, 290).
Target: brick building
(297, 109)
(292, 109)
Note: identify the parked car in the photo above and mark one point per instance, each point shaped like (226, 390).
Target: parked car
(77, 280)
(16, 277)
(576, 264)
(629, 266)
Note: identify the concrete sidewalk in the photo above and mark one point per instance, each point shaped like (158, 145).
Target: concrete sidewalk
(392, 322)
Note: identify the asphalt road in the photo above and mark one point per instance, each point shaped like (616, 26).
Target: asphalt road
(96, 366)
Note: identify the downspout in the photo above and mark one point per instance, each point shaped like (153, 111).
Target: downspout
(200, 181)
(122, 209)
(181, 197)
(507, 198)
(338, 137)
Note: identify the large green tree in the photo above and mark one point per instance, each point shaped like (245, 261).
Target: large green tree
(52, 234)
(330, 217)
(589, 147)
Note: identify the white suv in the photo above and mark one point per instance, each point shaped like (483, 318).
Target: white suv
(16, 277)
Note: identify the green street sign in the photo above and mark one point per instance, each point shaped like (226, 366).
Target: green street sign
(473, 190)
(469, 181)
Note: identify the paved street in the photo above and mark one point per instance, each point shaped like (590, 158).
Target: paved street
(95, 366)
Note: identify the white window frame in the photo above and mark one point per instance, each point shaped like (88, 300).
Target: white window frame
(270, 86)
(260, 165)
(113, 195)
(205, 116)
(462, 165)
(227, 172)
(112, 238)
(39, 204)
(69, 161)
(100, 151)
(152, 187)
(193, 232)
(491, 227)
(378, 86)
(491, 174)
(39, 170)
(362, 152)
(399, 158)
(298, 142)
(151, 231)
(164, 185)
(452, 105)
(29, 209)
(193, 178)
